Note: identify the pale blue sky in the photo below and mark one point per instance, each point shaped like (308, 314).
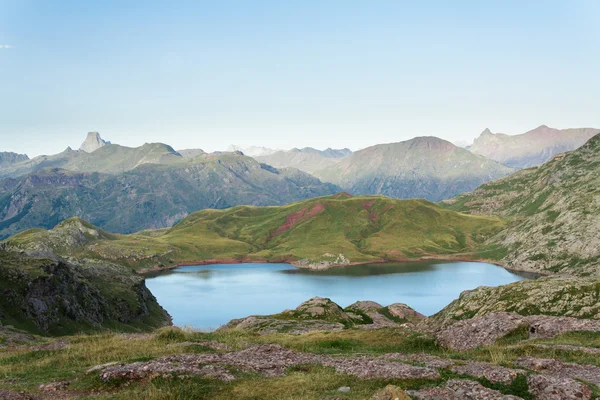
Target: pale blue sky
(292, 73)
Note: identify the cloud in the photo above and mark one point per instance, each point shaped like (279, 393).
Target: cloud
(5, 46)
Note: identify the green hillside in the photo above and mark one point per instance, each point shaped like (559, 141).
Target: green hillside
(317, 230)
(554, 213)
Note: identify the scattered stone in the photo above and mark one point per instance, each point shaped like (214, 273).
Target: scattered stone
(167, 368)
(54, 386)
(559, 369)
(493, 373)
(460, 390)
(102, 367)
(545, 387)
(344, 389)
(390, 392)
(480, 331)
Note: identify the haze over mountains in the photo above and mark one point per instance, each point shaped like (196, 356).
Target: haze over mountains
(307, 159)
(423, 167)
(126, 189)
(531, 148)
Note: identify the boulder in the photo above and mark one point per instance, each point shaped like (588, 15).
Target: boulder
(391, 392)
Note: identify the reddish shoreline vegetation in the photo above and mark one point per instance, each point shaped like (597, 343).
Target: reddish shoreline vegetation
(79, 322)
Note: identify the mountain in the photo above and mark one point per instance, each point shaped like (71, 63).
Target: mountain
(306, 159)
(191, 153)
(531, 148)
(149, 196)
(252, 151)
(315, 233)
(92, 143)
(423, 167)
(553, 212)
(110, 158)
(9, 158)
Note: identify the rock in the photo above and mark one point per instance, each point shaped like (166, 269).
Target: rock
(551, 296)
(390, 392)
(267, 325)
(493, 373)
(344, 389)
(267, 360)
(545, 387)
(543, 326)
(588, 373)
(424, 359)
(102, 367)
(403, 311)
(460, 390)
(481, 331)
(54, 386)
(93, 142)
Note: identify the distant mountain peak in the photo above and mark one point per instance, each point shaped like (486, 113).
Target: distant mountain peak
(92, 142)
(486, 132)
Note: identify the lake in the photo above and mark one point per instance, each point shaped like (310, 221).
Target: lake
(208, 296)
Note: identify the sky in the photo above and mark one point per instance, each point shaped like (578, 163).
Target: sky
(283, 74)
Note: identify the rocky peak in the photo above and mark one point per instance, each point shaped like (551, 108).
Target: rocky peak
(9, 158)
(93, 142)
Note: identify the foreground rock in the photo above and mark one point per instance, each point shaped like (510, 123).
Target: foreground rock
(552, 296)
(267, 360)
(391, 392)
(486, 330)
(559, 369)
(59, 297)
(460, 390)
(320, 314)
(551, 388)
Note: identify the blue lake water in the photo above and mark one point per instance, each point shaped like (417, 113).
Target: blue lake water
(208, 296)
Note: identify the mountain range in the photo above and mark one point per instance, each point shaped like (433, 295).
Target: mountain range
(149, 196)
(126, 189)
(307, 159)
(531, 148)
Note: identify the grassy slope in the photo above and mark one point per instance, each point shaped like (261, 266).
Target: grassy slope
(25, 368)
(554, 213)
(362, 228)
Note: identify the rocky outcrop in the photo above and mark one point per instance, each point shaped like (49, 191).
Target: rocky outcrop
(92, 142)
(58, 297)
(551, 296)
(326, 261)
(320, 314)
(9, 158)
(488, 329)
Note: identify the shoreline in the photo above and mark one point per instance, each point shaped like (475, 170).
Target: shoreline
(294, 263)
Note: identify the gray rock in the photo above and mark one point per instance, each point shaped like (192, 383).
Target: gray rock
(545, 387)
